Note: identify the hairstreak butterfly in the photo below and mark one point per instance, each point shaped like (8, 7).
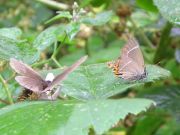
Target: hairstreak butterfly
(37, 87)
(130, 66)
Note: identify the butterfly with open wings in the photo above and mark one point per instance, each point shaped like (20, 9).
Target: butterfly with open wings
(130, 66)
(35, 84)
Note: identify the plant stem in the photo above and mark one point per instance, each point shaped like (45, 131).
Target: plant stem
(53, 57)
(55, 61)
(142, 34)
(41, 63)
(11, 77)
(6, 89)
(87, 48)
(56, 50)
(55, 4)
(162, 49)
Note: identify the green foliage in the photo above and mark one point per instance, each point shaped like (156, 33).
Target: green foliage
(147, 5)
(143, 19)
(99, 19)
(67, 117)
(80, 31)
(45, 39)
(97, 81)
(72, 29)
(169, 9)
(161, 124)
(13, 48)
(166, 98)
(12, 33)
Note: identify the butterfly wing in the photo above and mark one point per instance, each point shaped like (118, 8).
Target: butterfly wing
(32, 84)
(28, 74)
(128, 68)
(65, 73)
(23, 69)
(132, 51)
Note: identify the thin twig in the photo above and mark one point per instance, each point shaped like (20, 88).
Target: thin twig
(53, 57)
(56, 62)
(60, 45)
(4, 101)
(55, 4)
(11, 77)
(6, 90)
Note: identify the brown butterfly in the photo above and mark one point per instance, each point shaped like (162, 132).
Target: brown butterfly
(130, 66)
(36, 87)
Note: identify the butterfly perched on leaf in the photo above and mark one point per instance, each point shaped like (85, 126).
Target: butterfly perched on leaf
(130, 65)
(35, 86)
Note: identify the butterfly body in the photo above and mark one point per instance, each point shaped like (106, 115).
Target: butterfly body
(130, 66)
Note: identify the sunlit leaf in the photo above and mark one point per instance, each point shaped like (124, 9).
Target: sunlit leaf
(67, 117)
(169, 9)
(61, 14)
(72, 29)
(99, 19)
(12, 33)
(45, 39)
(10, 48)
(97, 81)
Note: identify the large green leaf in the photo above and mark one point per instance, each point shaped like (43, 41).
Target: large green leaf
(97, 81)
(10, 48)
(45, 38)
(169, 9)
(167, 97)
(12, 33)
(67, 117)
(99, 19)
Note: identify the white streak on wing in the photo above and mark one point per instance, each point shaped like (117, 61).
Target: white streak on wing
(126, 64)
(136, 47)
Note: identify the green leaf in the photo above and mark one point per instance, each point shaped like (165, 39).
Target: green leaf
(95, 44)
(45, 39)
(10, 48)
(99, 19)
(72, 29)
(169, 9)
(12, 33)
(167, 98)
(67, 117)
(142, 127)
(143, 19)
(97, 81)
(147, 5)
(61, 14)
